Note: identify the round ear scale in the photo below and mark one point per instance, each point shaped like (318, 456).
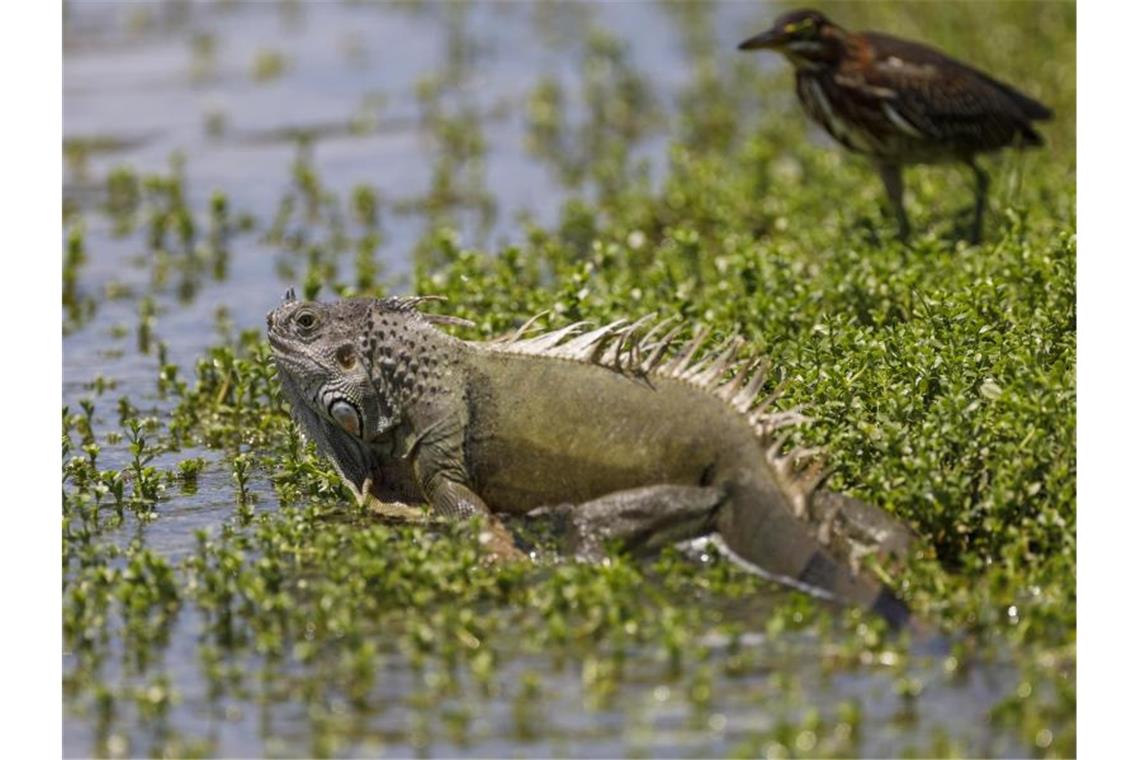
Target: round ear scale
(347, 417)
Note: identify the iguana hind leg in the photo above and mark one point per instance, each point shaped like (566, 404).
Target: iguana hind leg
(853, 529)
(644, 518)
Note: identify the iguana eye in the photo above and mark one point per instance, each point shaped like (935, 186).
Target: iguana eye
(306, 320)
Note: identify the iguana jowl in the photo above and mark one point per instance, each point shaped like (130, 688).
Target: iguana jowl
(645, 444)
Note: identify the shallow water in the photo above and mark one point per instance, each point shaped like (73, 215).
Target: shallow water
(134, 89)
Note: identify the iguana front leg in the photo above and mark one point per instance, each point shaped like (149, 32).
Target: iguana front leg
(640, 518)
(455, 500)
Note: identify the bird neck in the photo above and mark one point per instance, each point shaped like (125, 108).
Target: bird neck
(820, 53)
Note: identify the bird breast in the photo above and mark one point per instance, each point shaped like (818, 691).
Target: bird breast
(864, 117)
(816, 94)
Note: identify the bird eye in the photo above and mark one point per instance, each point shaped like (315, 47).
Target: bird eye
(306, 320)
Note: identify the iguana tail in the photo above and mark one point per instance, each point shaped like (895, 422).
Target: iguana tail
(766, 537)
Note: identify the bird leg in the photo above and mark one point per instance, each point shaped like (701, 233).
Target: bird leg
(893, 182)
(983, 186)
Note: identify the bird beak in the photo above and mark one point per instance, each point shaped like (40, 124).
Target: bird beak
(763, 41)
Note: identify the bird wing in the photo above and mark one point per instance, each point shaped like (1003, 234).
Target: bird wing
(928, 94)
(887, 47)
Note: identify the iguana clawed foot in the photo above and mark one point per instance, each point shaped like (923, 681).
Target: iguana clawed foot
(854, 529)
(499, 542)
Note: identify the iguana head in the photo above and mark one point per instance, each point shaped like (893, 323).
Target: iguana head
(358, 363)
(320, 351)
(354, 370)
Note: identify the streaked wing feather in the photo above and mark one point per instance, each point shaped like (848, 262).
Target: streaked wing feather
(946, 85)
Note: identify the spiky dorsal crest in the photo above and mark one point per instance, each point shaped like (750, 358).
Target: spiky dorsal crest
(411, 304)
(630, 349)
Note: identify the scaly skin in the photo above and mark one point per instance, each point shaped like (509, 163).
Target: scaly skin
(608, 429)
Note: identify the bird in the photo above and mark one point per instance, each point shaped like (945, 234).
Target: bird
(901, 102)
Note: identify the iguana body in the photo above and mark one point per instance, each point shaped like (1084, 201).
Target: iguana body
(643, 444)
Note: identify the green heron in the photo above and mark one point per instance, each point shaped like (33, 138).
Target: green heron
(899, 102)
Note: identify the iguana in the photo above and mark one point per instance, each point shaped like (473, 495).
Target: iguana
(610, 427)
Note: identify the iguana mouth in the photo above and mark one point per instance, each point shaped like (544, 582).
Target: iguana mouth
(276, 342)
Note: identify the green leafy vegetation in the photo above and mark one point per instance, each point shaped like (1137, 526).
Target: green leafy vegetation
(268, 65)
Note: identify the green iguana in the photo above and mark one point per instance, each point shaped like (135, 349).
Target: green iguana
(609, 427)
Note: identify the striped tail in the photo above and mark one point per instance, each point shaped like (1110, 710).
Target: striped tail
(764, 536)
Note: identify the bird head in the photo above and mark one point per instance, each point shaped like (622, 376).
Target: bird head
(807, 38)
